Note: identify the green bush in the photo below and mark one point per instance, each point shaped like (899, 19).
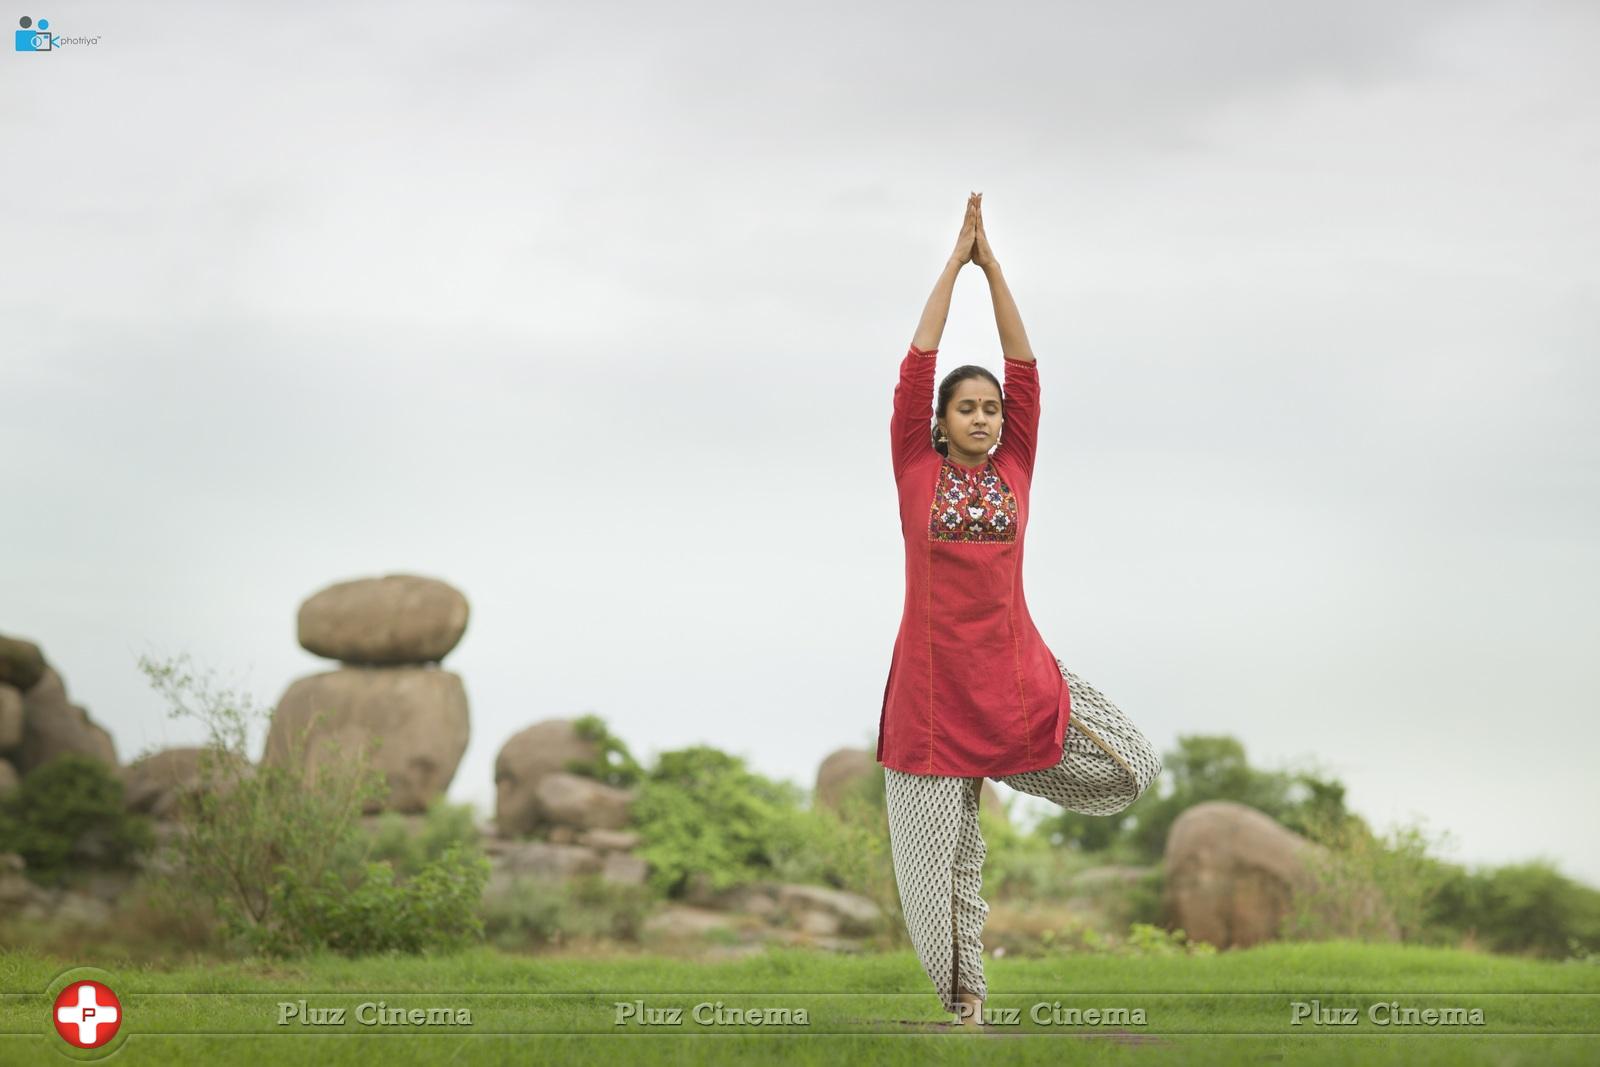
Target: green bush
(1365, 884)
(845, 848)
(1526, 908)
(278, 852)
(370, 912)
(444, 826)
(1144, 899)
(701, 811)
(1023, 864)
(67, 816)
(614, 764)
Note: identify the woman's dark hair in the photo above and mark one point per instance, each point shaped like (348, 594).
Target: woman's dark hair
(948, 386)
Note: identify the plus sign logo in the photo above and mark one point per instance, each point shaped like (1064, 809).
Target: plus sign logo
(87, 1014)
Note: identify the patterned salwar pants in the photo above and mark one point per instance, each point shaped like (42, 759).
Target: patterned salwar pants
(938, 850)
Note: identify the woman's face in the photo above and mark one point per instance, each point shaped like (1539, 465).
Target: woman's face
(972, 419)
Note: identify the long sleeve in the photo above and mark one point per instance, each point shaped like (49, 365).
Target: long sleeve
(913, 408)
(1020, 432)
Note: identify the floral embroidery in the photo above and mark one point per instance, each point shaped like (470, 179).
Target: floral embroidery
(972, 506)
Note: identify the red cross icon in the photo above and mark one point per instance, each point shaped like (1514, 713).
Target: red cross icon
(87, 1014)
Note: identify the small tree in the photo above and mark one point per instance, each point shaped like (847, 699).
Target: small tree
(279, 850)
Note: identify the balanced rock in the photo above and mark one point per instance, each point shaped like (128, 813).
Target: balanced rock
(10, 717)
(526, 757)
(399, 618)
(1232, 874)
(53, 726)
(416, 717)
(21, 663)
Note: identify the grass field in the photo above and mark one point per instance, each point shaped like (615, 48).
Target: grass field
(816, 1008)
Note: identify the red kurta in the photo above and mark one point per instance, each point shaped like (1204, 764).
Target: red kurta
(973, 691)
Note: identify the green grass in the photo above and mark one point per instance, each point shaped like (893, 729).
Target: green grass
(1225, 1009)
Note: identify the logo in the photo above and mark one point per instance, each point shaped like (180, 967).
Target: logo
(87, 1014)
(30, 40)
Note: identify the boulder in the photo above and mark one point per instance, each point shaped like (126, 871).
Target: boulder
(10, 717)
(814, 909)
(53, 726)
(8, 777)
(582, 803)
(540, 859)
(399, 618)
(624, 868)
(17, 892)
(841, 771)
(615, 840)
(513, 862)
(21, 663)
(416, 716)
(1232, 873)
(819, 910)
(541, 749)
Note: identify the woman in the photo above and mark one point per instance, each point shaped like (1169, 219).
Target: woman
(973, 691)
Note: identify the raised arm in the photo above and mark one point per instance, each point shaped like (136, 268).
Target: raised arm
(937, 310)
(913, 393)
(1013, 338)
(1020, 431)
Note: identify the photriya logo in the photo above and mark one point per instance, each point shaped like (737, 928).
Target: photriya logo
(31, 40)
(87, 1014)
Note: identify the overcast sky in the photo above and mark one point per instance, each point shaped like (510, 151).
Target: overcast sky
(595, 312)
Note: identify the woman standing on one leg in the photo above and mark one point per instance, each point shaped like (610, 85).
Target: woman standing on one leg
(973, 691)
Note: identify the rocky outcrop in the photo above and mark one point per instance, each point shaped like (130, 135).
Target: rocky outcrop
(399, 618)
(54, 726)
(21, 663)
(91, 904)
(10, 717)
(770, 911)
(524, 761)
(583, 803)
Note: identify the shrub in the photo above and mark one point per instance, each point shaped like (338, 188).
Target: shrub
(278, 850)
(702, 811)
(68, 814)
(847, 849)
(1528, 908)
(444, 826)
(1363, 882)
(369, 912)
(613, 764)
